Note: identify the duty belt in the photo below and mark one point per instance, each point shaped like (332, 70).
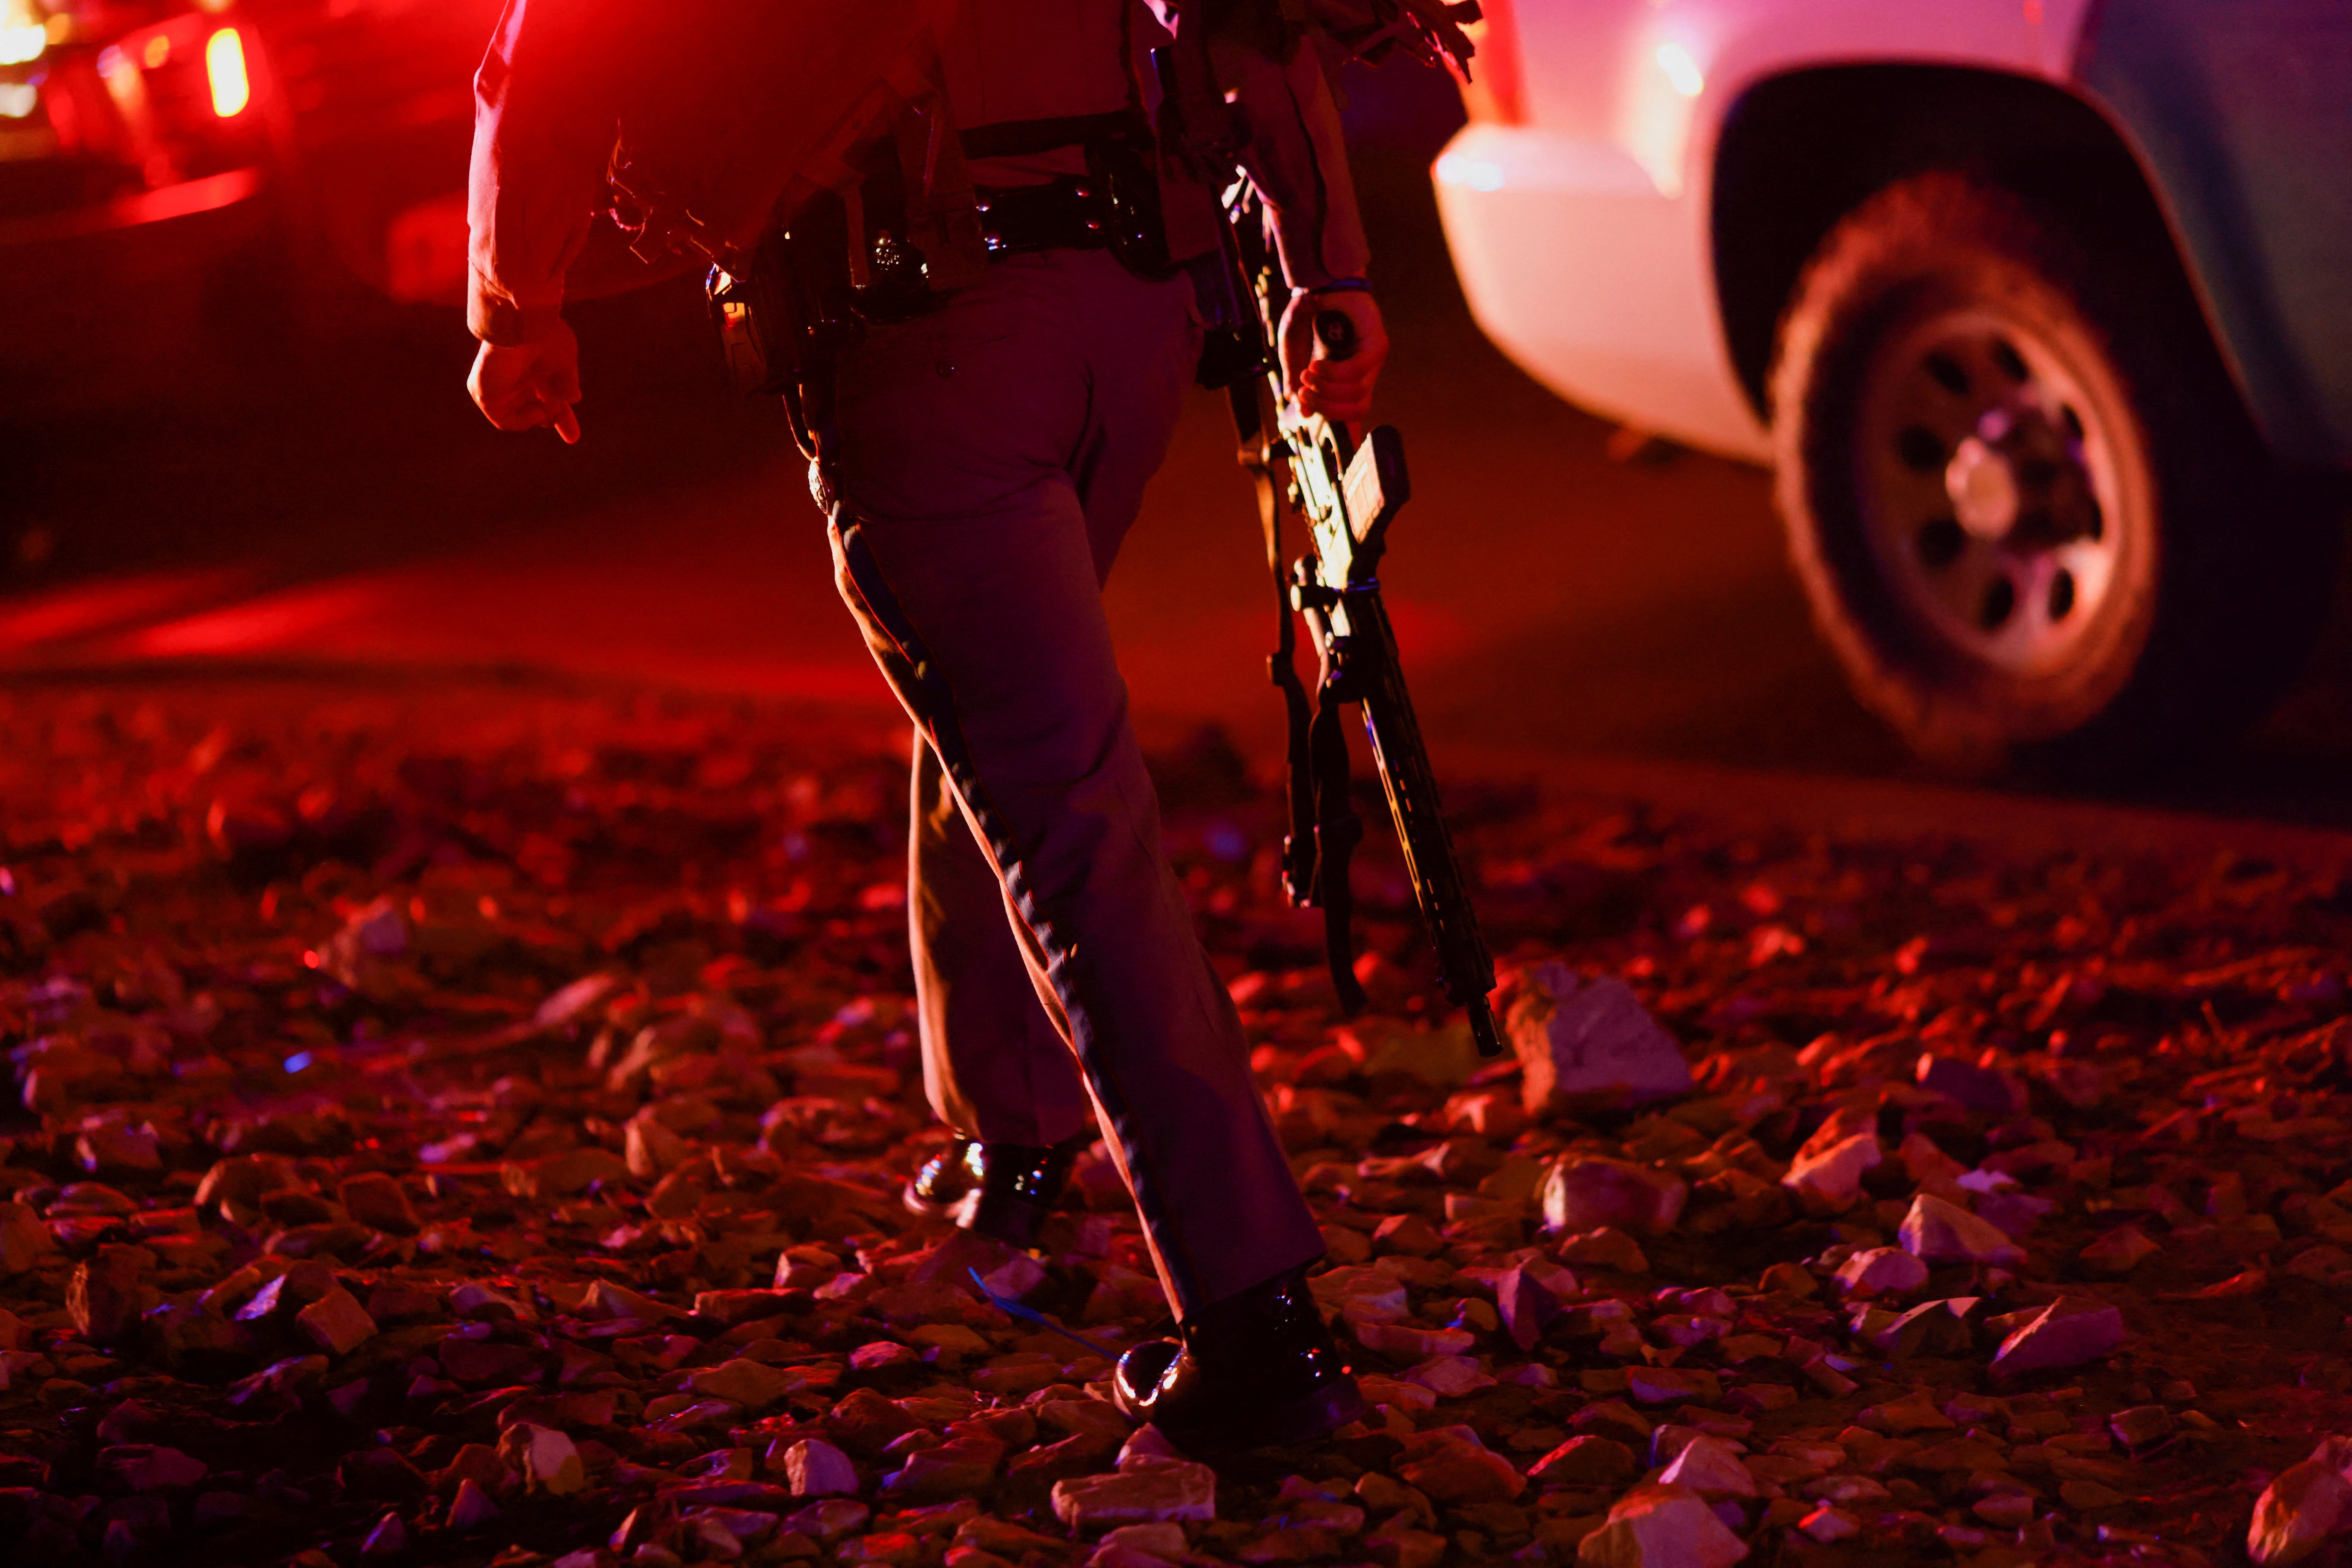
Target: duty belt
(1072, 213)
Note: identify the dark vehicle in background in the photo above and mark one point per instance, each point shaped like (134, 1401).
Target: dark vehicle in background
(191, 189)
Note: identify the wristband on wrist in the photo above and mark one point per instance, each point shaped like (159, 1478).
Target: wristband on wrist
(1341, 286)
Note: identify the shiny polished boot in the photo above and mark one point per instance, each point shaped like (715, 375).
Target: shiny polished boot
(1255, 1370)
(1002, 1190)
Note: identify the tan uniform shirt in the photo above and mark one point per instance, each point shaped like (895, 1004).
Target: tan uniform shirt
(539, 144)
(1043, 59)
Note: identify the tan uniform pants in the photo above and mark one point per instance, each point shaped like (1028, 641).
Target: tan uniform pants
(988, 458)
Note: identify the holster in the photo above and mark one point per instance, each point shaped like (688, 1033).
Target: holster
(757, 337)
(892, 244)
(885, 246)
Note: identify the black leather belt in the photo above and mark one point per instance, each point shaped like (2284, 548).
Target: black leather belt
(1072, 213)
(1026, 138)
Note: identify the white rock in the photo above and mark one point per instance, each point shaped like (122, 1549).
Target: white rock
(1583, 1040)
(1364, 1295)
(1149, 1445)
(548, 1461)
(1707, 1466)
(1164, 1540)
(815, 1468)
(144, 1467)
(471, 1508)
(876, 1355)
(1379, 1390)
(651, 1148)
(571, 1003)
(749, 1384)
(1396, 1338)
(606, 1299)
(1451, 1376)
(726, 1532)
(2335, 1453)
(2297, 1512)
(1660, 1526)
(1936, 1231)
(1831, 1179)
(1585, 1192)
(1016, 1277)
(1827, 1523)
(377, 1200)
(1845, 1488)
(388, 1538)
(2067, 1332)
(336, 1323)
(1523, 1302)
(2119, 1251)
(1881, 1272)
(1173, 1491)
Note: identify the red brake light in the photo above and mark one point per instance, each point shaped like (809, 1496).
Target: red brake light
(225, 69)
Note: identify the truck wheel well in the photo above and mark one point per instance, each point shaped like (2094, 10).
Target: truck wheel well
(1799, 151)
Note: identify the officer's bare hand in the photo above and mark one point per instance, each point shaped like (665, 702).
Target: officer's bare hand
(523, 387)
(1338, 389)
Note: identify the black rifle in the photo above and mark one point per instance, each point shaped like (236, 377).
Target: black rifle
(1346, 495)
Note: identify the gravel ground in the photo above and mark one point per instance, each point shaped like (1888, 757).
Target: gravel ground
(465, 1124)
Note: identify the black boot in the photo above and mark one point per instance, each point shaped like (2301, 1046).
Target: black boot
(1255, 1370)
(1002, 1190)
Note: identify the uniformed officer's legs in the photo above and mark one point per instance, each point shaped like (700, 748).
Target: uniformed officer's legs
(969, 444)
(996, 1064)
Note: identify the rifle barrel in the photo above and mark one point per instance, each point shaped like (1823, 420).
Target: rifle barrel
(1464, 966)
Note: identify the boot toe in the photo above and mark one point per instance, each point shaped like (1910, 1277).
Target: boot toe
(1002, 1190)
(927, 1194)
(1136, 1382)
(1258, 1369)
(1158, 1382)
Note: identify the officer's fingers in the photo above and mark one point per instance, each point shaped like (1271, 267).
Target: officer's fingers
(1342, 371)
(503, 409)
(1298, 350)
(477, 384)
(1351, 391)
(514, 408)
(504, 391)
(567, 424)
(1346, 406)
(1371, 352)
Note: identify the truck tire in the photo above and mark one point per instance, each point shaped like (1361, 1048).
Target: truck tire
(2032, 516)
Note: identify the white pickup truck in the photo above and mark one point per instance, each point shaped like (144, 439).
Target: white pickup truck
(2041, 309)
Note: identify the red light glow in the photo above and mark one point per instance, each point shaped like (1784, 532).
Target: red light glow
(225, 69)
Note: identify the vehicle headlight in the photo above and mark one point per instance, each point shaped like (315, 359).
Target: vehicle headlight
(22, 43)
(23, 32)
